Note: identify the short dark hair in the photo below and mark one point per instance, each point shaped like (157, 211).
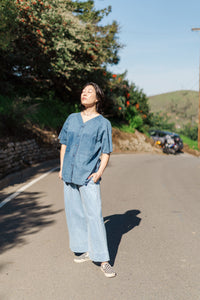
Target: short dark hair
(99, 95)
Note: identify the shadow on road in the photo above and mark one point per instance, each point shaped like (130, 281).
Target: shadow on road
(116, 226)
(24, 175)
(23, 216)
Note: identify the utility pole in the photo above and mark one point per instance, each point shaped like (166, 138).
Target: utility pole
(198, 29)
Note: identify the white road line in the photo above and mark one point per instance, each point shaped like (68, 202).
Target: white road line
(26, 186)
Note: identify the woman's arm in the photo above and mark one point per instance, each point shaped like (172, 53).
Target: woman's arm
(104, 161)
(62, 154)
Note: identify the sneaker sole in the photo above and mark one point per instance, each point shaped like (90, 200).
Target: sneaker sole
(80, 260)
(109, 275)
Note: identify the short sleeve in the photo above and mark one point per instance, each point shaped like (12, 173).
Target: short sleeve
(63, 133)
(107, 139)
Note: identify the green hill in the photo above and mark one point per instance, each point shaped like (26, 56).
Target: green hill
(180, 106)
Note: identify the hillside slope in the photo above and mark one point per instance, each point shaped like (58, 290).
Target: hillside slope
(180, 106)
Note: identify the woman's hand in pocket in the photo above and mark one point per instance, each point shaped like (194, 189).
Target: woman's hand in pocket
(95, 177)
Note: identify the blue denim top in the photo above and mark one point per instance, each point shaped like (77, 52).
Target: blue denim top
(85, 143)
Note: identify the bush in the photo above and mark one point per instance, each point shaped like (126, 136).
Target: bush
(16, 115)
(190, 131)
(192, 144)
(161, 121)
(11, 117)
(137, 123)
(51, 113)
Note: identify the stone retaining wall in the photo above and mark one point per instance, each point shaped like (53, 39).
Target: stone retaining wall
(16, 156)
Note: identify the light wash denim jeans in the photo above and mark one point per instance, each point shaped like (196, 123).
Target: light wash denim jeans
(84, 219)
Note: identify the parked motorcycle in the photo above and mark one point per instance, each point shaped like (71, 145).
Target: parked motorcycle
(159, 136)
(170, 146)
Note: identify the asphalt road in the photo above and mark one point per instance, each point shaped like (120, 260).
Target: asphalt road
(151, 205)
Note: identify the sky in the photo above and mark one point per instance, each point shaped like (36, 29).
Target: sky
(161, 53)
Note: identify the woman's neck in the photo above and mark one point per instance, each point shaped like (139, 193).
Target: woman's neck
(90, 111)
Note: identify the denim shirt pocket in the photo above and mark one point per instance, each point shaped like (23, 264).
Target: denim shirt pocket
(88, 143)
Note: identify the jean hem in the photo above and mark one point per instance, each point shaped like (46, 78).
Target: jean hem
(79, 250)
(99, 258)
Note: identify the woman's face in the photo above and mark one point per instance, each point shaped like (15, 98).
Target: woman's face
(88, 96)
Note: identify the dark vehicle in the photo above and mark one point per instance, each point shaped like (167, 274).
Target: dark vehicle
(170, 141)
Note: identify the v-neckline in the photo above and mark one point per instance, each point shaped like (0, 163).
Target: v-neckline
(89, 119)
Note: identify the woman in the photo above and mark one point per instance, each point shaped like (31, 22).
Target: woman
(84, 138)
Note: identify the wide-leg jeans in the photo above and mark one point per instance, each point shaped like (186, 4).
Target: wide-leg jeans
(84, 220)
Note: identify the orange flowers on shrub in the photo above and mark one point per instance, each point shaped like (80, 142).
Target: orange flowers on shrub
(39, 32)
(137, 105)
(114, 75)
(127, 103)
(120, 108)
(127, 95)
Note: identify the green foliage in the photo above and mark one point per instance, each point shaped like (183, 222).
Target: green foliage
(121, 126)
(11, 116)
(126, 128)
(180, 106)
(161, 121)
(46, 112)
(191, 143)
(52, 49)
(57, 44)
(130, 113)
(126, 102)
(86, 12)
(8, 16)
(51, 113)
(191, 131)
(137, 123)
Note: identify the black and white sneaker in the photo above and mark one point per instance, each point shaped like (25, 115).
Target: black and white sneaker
(108, 270)
(82, 258)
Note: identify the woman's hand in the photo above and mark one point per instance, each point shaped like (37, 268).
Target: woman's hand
(60, 174)
(95, 176)
(104, 161)
(62, 154)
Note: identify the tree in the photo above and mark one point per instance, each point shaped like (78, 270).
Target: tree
(55, 46)
(8, 15)
(59, 43)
